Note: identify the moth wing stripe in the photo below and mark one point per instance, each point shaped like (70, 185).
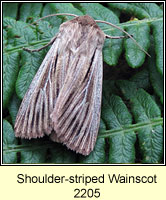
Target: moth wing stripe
(81, 116)
(75, 100)
(45, 117)
(65, 134)
(88, 123)
(69, 87)
(67, 92)
(30, 107)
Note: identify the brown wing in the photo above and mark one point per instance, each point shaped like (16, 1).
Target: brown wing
(76, 114)
(33, 118)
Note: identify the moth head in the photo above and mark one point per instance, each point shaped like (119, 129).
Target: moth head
(85, 21)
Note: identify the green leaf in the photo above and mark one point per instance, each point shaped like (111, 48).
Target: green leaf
(128, 88)
(7, 25)
(67, 8)
(138, 80)
(157, 28)
(30, 64)
(64, 8)
(156, 78)
(34, 151)
(102, 126)
(109, 88)
(151, 144)
(47, 31)
(97, 11)
(4, 37)
(116, 115)
(41, 151)
(141, 10)
(150, 139)
(141, 79)
(112, 48)
(144, 109)
(115, 112)
(10, 71)
(13, 107)
(19, 32)
(60, 154)
(97, 155)
(122, 148)
(146, 10)
(49, 9)
(9, 142)
(30, 10)
(134, 55)
(55, 22)
(10, 10)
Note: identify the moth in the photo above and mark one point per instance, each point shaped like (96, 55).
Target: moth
(64, 98)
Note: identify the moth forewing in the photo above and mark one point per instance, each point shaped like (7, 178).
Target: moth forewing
(80, 125)
(33, 118)
(76, 115)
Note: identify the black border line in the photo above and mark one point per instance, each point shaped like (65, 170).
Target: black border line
(82, 165)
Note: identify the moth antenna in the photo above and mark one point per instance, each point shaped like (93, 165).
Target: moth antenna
(51, 15)
(113, 25)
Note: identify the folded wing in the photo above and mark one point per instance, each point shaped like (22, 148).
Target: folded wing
(76, 115)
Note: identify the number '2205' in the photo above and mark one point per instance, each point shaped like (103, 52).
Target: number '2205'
(84, 193)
